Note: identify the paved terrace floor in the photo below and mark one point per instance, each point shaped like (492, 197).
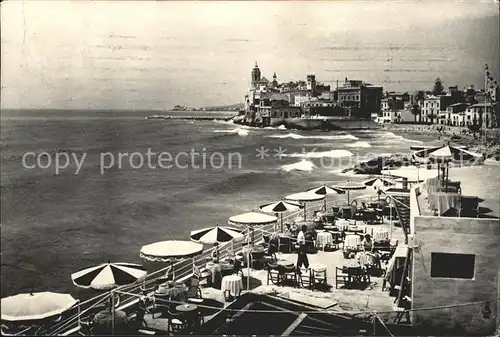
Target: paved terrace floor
(371, 299)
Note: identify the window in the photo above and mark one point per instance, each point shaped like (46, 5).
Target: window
(453, 265)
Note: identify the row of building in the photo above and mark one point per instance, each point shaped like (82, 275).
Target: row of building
(355, 99)
(453, 108)
(271, 99)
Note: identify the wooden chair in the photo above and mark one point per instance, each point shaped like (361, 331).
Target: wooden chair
(273, 274)
(341, 278)
(288, 275)
(257, 259)
(319, 279)
(305, 279)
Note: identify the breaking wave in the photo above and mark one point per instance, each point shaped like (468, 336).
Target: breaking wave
(332, 137)
(304, 165)
(321, 154)
(393, 137)
(359, 145)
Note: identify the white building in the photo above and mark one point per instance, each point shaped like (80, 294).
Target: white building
(430, 109)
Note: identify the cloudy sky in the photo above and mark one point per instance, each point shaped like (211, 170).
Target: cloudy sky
(151, 55)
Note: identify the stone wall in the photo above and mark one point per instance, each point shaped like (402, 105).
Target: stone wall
(461, 236)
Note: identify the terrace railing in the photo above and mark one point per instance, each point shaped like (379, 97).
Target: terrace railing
(183, 271)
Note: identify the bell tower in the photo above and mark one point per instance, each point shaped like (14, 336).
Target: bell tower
(255, 75)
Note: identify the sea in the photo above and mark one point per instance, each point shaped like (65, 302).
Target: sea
(58, 218)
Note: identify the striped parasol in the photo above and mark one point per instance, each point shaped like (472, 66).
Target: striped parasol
(281, 207)
(326, 190)
(216, 235)
(109, 275)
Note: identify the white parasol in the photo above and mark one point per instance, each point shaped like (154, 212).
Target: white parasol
(326, 190)
(216, 235)
(305, 197)
(35, 306)
(350, 186)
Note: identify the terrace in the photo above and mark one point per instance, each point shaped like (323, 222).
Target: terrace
(339, 290)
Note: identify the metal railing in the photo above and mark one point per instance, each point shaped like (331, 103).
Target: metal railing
(183, 270)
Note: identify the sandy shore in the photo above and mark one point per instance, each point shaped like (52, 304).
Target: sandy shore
(456, 135)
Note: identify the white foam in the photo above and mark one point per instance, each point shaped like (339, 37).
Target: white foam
(359, 144)
(303, 165)
(238, 131)
(392, 136)
(282, 127)
(321, 154)
(331, 137)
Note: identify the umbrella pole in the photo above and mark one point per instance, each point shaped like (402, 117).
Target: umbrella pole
(217, 251)
(281, 222)
(324, 203)
(305, 212)
(113, 312)
(348, 199)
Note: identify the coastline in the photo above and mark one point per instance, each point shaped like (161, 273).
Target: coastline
(453, 134)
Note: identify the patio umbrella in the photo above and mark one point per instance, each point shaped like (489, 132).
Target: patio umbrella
(216, 235)
(251, 219)
(379, 184)
(350, 186)
(326, 190)
(109, 275)
(448, 153)
(165, 251)
(305, 197)
(35, 306)
(280, 207)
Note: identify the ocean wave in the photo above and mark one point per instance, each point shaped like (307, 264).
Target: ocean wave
(238, 131)
(321, 154)
(332, 137)
(304, 165)
(233, 184)
(359, 144)
(392, 136)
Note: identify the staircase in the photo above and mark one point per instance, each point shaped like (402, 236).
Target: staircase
(402, 204)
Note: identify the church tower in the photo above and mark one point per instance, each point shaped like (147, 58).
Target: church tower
(255, 75)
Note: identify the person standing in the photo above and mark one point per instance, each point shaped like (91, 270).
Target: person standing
(302, 254)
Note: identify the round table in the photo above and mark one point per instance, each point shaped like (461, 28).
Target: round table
(330, 227)
(342, 225)
(381, 235)
(214, 268)
(171, 291)
(187, 307)
(232, 283)
(323, 239)
(284, 263)
(317, 267)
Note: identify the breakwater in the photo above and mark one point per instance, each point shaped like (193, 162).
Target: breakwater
(199, 118)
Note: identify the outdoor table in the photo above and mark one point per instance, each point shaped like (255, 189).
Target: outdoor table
(330, 227)
(342, 225)
(323, 239)
(103, 322)
(215, 269)
(188, 313)
(233, 284)
(186, 308)
(285, 263)
(173, 291)
(248, 250)
(381, 235)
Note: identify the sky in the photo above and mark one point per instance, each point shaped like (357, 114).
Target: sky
(153, 54)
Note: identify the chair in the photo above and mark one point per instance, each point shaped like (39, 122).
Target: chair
(305, 279)
(237, 268)
(257, 259)
(341, 278)
(194, 293)
(174, 324)
(273, 274)
(319, 279)
(269, 257)
(288, 275)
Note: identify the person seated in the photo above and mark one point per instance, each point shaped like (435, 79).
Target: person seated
(367, 243)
